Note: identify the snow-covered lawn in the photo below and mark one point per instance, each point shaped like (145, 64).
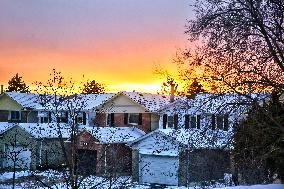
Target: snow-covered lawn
(54, 179)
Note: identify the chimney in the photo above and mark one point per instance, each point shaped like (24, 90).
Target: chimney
(172, 95)
(2, 89)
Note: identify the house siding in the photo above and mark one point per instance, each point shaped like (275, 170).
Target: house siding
(4, 115)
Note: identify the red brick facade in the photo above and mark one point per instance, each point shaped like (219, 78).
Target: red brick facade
(100, 121)
(110, 158)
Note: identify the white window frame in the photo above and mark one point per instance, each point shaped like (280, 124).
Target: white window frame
(128, 119)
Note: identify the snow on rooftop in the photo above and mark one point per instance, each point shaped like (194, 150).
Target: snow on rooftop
(94, 100)
(151, 102)
(214, 103)
(199, 138)
(115, 134)
(46, 130)
(27, 100)
(4, 126)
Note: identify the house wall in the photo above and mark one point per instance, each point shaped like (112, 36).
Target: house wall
(4, 115)
(32, 117)
(203, 165)
(50, 153)
(147, 123)
(6, 103)
(111, 158)
(122, 104)
(22, 138)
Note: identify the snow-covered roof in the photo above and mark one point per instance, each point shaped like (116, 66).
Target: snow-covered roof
(201, 138)
(26, 100)
(39, 130)
(46, 130)
(94, 100)
(115, 134)
(190, 138)
(214, 103)
(152, 102)
(5, 126)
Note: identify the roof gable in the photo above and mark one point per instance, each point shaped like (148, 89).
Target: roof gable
(8, 103)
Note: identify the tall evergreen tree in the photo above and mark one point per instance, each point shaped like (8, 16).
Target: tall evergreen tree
(93, 87)
(16, 84)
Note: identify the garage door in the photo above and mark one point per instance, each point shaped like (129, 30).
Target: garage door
(159, 169)
(19, 155)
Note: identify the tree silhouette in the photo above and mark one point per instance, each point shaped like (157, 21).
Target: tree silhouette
(16, 84)
(93, 87)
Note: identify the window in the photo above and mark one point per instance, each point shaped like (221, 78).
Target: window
(62, 117)
(15, 116)
(220, 122)
(81, 118)
(44, 117)
(193, 121)
(170, 121)
(133, 118)
(110, 119)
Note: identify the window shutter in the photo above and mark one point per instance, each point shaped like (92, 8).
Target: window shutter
(66, 117)
(198, 118)
(175, 121)
(186, 121)
(140, 119)
(125, 118)
(213, 124)
(112, 119)
(226, 122)
(165, 119)
(84, 118)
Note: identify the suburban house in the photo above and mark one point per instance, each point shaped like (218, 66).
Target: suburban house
(131, 109)
(30, 145)
(192, 133)
(123, 118)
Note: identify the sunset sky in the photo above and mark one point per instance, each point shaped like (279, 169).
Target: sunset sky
(116, 42)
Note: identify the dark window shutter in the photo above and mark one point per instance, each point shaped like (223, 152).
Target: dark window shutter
(112, 119)
(165, 120)
(140, 119)
(226, 122)
(198, 118)
(186, 121)
(125, 118)
(213, 124)
(175, 121)
(84, 118)
(66, 117)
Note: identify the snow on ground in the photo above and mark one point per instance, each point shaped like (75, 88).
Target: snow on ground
(102, 183)
(9, 175)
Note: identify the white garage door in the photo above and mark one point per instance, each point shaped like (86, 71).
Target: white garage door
(159, 169)
(19, 155)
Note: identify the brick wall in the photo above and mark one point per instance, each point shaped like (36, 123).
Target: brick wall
(118, 159)
(100, 120)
